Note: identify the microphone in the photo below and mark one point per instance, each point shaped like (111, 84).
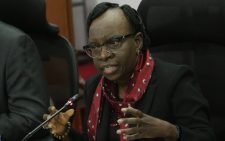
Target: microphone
(70, 102)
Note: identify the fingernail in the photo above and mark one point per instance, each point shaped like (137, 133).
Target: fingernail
(119, 121)
(49, 125)
(48, 117)
(118, 131)
(124, 137)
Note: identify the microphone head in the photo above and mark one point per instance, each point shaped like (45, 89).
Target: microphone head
(73, 99)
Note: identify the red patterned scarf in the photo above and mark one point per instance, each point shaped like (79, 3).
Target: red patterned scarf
(137, 85)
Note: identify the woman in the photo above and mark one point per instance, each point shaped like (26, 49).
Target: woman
(135, 96)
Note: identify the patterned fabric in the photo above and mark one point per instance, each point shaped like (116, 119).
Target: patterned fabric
(137, 85)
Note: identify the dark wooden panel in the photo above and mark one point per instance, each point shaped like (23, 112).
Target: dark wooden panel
(60, 12)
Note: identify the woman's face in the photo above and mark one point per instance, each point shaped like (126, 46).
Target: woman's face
(120, 63)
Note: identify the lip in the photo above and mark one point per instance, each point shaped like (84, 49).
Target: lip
(109, 69)
(106, 65)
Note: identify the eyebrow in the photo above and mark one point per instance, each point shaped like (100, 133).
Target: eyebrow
(107, 39)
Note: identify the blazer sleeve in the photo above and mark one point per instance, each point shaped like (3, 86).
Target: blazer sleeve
(190, 108)
(25, 89)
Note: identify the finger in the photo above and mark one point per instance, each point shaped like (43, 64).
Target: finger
(69, 113)
(132, 137)
(132, 111)
(45, 116)
(128, 131)
(133, 120)
(50, 125)
(45, 126)
(63, 118)
(52, 128)
(52, 109)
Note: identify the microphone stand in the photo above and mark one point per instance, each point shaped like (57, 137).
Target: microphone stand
(68, 103)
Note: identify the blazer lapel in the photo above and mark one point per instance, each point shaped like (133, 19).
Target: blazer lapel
(147, 98)
(103, 128)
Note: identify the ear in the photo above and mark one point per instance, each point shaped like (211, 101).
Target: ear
(139, 40)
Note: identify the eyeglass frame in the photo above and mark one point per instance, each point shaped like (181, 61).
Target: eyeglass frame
(107, 43)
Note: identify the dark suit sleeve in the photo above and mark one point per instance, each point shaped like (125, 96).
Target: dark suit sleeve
(190, 108)
(25, 89)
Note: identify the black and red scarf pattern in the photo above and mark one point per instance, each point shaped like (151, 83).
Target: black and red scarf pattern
(137, 85)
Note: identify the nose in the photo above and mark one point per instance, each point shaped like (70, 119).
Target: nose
(104, 53)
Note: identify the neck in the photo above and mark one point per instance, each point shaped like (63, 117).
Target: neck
(122, 85)
(121, 91)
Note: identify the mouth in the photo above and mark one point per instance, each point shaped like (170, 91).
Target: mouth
(109, 69)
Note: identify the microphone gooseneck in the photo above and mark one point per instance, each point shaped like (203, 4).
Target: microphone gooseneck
(70, 102)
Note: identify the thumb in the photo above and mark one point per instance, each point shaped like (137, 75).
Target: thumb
(69, 113)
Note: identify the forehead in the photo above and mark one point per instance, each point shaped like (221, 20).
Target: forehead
(112, 22)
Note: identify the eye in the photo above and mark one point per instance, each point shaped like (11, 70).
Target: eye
(91, 46)
(114, 42)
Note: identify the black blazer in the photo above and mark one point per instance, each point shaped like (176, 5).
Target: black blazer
(172, 95)
(23, 94)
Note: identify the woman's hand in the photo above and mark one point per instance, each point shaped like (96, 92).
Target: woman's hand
(141, 125)
(58, 124)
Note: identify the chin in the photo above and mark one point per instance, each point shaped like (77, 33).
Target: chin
(111, 77)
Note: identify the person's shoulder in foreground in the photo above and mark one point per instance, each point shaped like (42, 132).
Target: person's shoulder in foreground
(23, 94)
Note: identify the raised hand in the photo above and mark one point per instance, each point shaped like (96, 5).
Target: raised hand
(141, 125)
(59, 124)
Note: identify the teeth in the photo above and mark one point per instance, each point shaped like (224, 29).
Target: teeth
(107, 66)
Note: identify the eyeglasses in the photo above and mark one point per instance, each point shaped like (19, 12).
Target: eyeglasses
(112, 45)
